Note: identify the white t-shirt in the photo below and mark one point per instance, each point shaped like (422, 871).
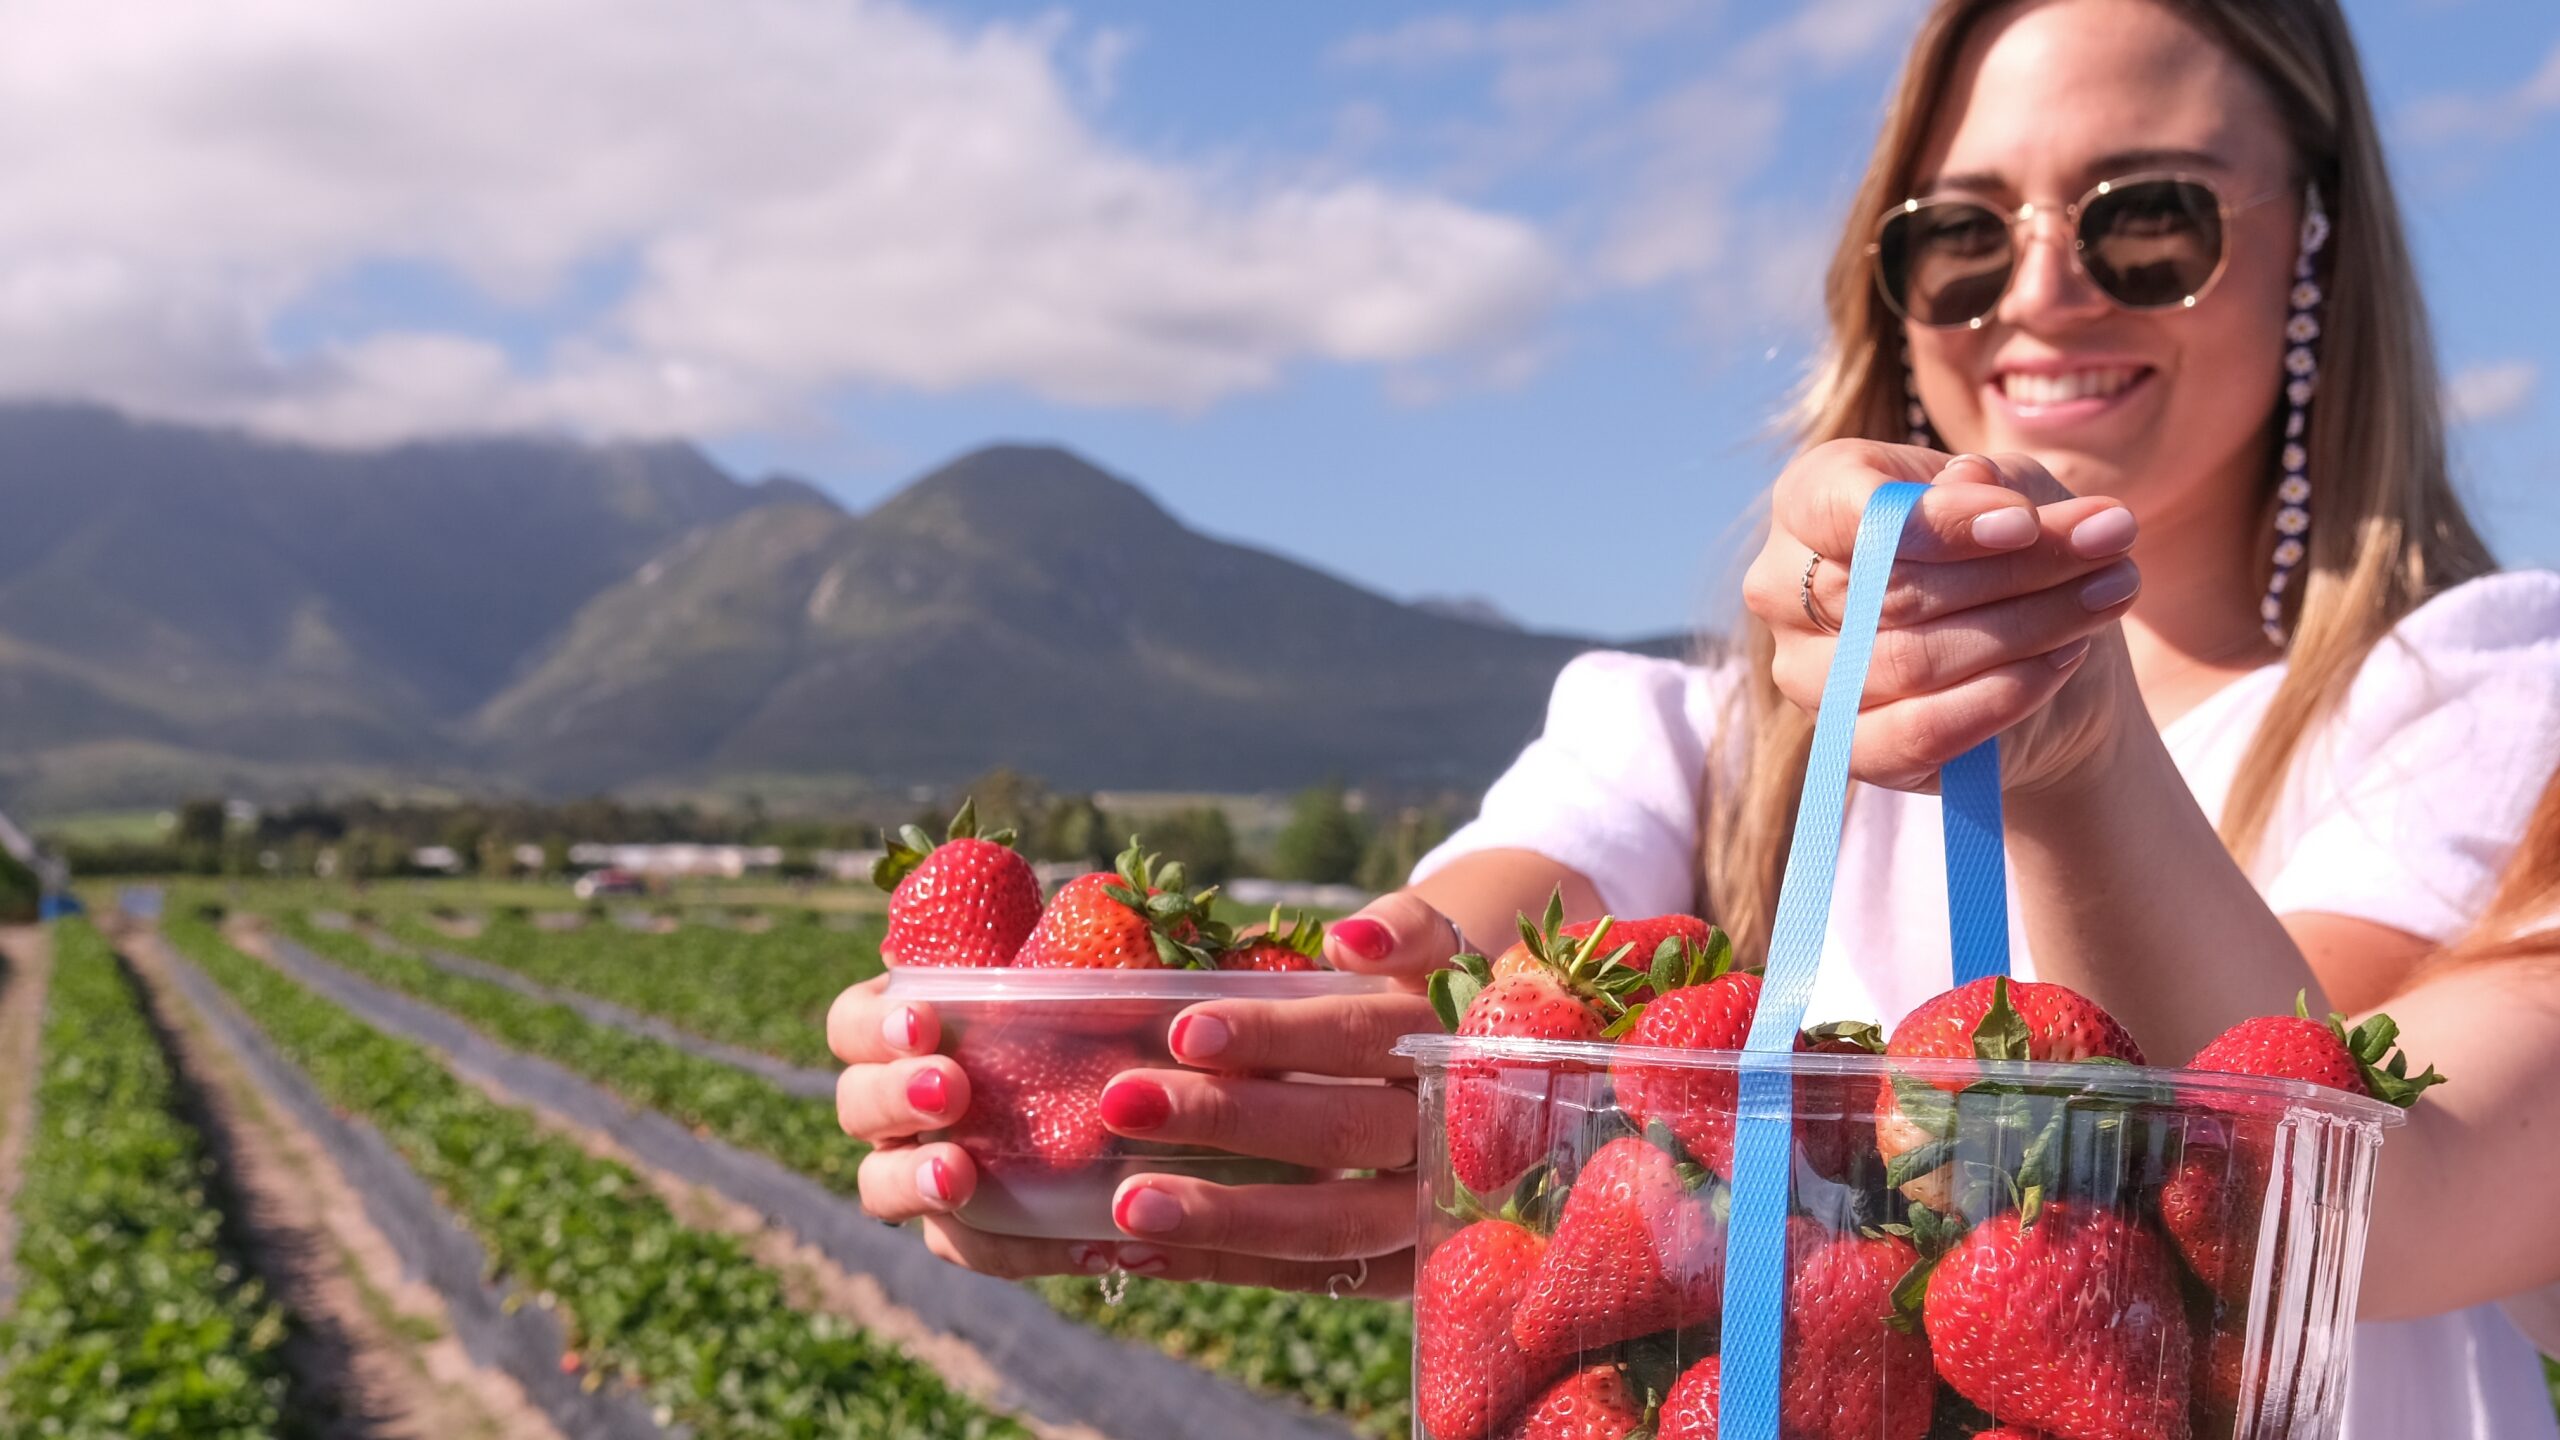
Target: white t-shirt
(2401, 810)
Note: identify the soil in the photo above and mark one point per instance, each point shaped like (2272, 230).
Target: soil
(30, 954)
(375, 1348)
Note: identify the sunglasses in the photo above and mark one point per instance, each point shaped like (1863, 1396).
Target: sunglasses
(2147, 242)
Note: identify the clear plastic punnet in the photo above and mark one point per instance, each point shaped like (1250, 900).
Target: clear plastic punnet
(1802, 1239)
(1601, 1268)
(1038, 1047)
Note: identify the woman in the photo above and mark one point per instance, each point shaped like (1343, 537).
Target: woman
(2133, 240)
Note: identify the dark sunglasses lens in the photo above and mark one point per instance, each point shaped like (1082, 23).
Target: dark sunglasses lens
(2153, 243)
(1945, 262)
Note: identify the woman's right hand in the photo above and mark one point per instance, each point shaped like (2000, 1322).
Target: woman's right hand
(1315, 1236)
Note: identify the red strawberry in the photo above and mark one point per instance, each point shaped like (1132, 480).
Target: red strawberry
(2072, 1324)
(1497, 1115)
(1135, 918)
(967, 901)
(2212, 1200)
(1636, 1250)
(1469, 1373)
(1697, 1104)
(1275, 949)
(1035, 1100)
(1689, 1411)
(1593, 1403)
(1990, 1019)
(1848, 1373)
(2222, 1355)
(1643, 940)
(2362, 1061)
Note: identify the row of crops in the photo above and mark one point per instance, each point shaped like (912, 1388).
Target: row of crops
(1350, 1358)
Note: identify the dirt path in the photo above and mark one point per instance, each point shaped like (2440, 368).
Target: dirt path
(30, 954)
(988, 1339)
(376, 1349)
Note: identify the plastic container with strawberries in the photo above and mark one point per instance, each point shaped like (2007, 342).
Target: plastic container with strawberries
(1041, 1005)
(1701, 1219)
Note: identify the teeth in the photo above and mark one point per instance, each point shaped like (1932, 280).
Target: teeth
(2026, 389)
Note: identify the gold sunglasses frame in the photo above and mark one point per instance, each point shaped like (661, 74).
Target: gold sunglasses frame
(2025, 215)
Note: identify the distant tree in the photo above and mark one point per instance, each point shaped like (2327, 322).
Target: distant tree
(1323, 840)
(555, 857)
(1007, 798)
(1075, 830)
(497, 857)
(1398, 846)
(1198, 836)
(18, 892)
(201, 822)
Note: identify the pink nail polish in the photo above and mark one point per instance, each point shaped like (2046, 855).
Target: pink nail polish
(2069, 655)
(1135, 1105)
(1364, 937)
(928, 1092)
(1199, 1037)
(1091, 1259)
(933, 1182)
(899, 1028)
(1145, 1210)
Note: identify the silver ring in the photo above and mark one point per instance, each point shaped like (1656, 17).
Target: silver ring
(1804, 595)
(1457, 937)
(1344, 1284)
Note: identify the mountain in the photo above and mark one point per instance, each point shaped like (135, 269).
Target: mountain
(566, 618)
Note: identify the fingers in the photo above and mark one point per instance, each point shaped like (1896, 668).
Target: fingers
(1332, 1127)
(1348, 1035)
(1397, 934)
(901, 1098)
(1902, 745)
(863, 1028)
(1335, 1220)
(1969, 511)
(1015, 1257)
(1933, 655)
(906, 1181)
(1385, 1277)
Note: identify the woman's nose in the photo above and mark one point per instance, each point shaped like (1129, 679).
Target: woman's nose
(2049, 289)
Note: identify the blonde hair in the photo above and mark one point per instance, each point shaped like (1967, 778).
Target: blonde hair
(2388, 531)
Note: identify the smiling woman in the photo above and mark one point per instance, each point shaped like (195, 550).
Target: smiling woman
(2268, 725)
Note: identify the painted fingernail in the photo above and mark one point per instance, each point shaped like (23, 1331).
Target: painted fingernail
(1091, 1259)
(1135, 1105)
(2013, 528)
(899, 1028)
(1144, 1260)
(933, 1182)
(2109, 532)
(2109, 588)
(1363, 937)
(2069, 655)
(1199, 1037)
(1145, 1210)
(928, 1092)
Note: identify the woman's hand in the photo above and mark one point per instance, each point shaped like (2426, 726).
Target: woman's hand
(1320, 1236)
(2000, 618)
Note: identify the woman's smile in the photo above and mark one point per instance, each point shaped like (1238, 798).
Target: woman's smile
(2053, 399)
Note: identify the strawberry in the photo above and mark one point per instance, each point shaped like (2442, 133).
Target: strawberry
(1848, 1372)
(1468, 1372)
(2071, 1324)
(2211, 1202)
(2222, 1356)
(1276, 949)
(1035, 1101)
(967, 901)
(1644, 940)
(1637, 1249)
(1592, 1403)
(2363, 1061)
(1990, 1019)
(1137, 917)
(1497, 1116)
(1698, 1004)
(1689, 1411)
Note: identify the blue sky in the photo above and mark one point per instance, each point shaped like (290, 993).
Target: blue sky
(1444, 299)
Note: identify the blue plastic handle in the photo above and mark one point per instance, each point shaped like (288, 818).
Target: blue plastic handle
(1755, 1279)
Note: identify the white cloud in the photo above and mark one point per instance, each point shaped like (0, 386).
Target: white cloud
(807, 195)
(2497, 115)
(2493, 391)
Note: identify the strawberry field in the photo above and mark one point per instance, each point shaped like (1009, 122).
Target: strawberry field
(622, 1130)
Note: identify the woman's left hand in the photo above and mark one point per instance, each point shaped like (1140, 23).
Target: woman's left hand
(2000, 618)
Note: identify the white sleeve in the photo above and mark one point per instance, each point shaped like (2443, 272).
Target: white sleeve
(2405, 807)
(1610, 790)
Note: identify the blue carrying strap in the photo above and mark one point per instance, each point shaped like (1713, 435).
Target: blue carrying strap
(1755, 1280)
